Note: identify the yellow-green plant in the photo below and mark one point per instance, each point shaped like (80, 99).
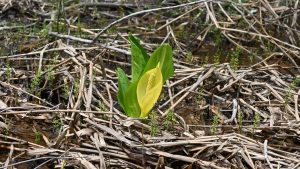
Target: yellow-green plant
(138, 96)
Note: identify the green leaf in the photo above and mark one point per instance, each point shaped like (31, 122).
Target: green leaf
(148, 90)
(139, 58)
(122, 85)
(164, 57)
(131, 104)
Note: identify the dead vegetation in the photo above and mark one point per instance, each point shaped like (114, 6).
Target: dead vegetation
(232, 103)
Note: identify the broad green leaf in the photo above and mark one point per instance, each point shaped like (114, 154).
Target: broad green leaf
(164, 57)
(131, 104)
(148, 89)
(139, 58)
(136, 43)
(122, 85)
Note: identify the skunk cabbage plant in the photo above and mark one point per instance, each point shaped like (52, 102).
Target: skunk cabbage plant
(138, 96)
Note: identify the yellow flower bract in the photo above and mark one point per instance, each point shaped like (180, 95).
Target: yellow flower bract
(148, 90)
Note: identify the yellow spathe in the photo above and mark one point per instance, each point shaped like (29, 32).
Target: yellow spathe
(148, 90)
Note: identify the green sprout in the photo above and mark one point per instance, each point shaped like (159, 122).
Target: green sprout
(44, 32)
(76, 87)
(102, 106)
(63, 164)
(38, 136)
(50, 76)
(215, 123)
(234, 60)
(217, 37)
(66, 91)
(217, 59)
(170, 119)
(35, 84)
(153, 124)
(59, 27)
(199, 96)
(295, 83)
(205, 61)
(6, 133)
(256, 120)
(240, 120)
(57, 124)
(189, 57)
(79, 26)
(292, 87)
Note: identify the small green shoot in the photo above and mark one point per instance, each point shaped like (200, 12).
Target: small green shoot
(240, 120)
(189, 57)
(64, 164)
(292, 87)
(256, 121)
(234, 60)
(217, 59)
(199, 96)
(153, 124)
(35, 84)
(37, 136)
(217, 37)
(57, 124)
(79, 26)
(66, 91)
(215, 123)
(76, 87)
(169, 120)
(295, 83)
(6, 133)
(50, 76)
(205, 61)
(102, 106)
(44, 33)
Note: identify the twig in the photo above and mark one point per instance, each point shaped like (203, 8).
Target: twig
(142, 12)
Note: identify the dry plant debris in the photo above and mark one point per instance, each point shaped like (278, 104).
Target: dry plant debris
(232, 103)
